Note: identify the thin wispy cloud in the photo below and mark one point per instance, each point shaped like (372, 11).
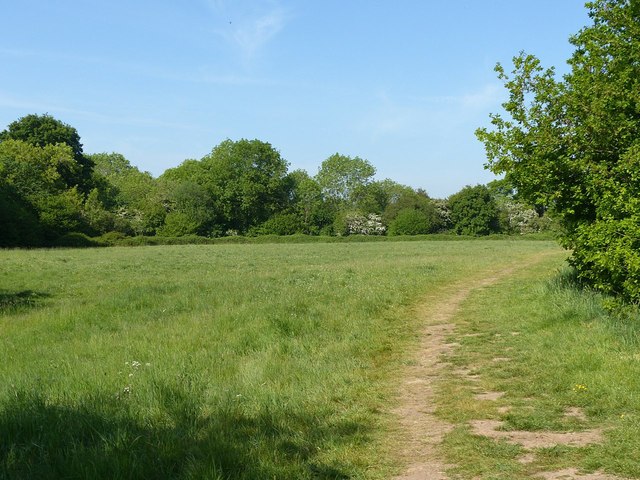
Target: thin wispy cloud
(248, 28)
(487, 96)
(28, 106)
(137, 68)
(410, 116)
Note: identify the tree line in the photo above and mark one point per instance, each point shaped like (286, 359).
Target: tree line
(50, 188)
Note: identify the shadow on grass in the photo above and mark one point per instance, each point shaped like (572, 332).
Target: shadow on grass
(98, 438)
(581, 303)
(22, 300)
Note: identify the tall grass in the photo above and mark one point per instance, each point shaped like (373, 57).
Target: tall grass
(213, 361)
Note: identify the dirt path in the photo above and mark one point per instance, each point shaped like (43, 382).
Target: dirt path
(421, 430)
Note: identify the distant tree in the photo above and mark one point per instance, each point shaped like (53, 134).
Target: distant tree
(473, 211)
(43, 130)
(427, 220)
(247, 182)
(356, 223)
(31, 179)
(279, 224)
(307, 202)
(501, 188)
(376, 196)
(19, 220)
(135, 197)
(410, 221)
(190, 211)
(340, 176)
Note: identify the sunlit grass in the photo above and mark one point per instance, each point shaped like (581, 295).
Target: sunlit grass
(220, 361)
(564, 351)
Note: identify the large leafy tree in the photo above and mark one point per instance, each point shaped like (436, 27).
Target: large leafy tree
(43, 130)
(134, 196)
(246, 179)
(573, 145)
(307, 203)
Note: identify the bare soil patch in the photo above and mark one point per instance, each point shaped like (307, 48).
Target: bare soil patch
(575, 412)
(572, 474)
(542, 439)
(490, 396)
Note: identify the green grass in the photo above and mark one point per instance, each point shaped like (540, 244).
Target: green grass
(215, 361)
(565, 351)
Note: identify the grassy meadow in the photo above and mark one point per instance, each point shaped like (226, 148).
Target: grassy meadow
(216, 361)
(284, 360)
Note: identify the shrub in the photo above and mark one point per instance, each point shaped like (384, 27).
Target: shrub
(607, 256)
(279, 224)
(474, 211)
(410, 222)
(77, 240)
(111, 238)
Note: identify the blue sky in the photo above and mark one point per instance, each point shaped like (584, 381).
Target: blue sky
(401, 83)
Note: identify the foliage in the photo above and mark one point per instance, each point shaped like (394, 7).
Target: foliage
(32, 184)
(607, 256)
(76, 240)
(190, 211)
(515, 216)
(355, 223)
(340, 176)
(375, 197)
(518, 218)
(410, 222)
(573, 145)
(19, 220)
(280, 224)
(246, 181)
(308, 203)
(426, 220)
(44, 130)
(134, 196)
(473, 211)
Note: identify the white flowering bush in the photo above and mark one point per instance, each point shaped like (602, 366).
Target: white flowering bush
(522, 219)
(370, 224)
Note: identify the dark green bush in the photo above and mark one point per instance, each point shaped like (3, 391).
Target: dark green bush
(410, 222)
(77, 240)
(473, 211)
(279, 224)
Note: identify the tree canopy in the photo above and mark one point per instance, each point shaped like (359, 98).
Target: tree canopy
(573, 145)
(340, 176)
(43, 130)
